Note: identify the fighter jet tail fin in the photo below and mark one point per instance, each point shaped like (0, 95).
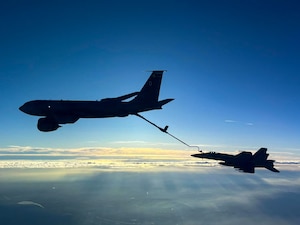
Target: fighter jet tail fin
(261, 155)
(270, 166)
(260, 159)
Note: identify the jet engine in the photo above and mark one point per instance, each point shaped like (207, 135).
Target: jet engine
(46, 124)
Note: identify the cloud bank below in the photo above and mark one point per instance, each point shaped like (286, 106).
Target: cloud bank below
(119, 158)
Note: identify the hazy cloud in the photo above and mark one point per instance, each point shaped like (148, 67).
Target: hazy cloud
(30, 203)
(129, 142)
(230, 121)
(202, 196)
(119, 158)
(234, 121)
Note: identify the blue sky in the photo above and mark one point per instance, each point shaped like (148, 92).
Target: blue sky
(233, 69)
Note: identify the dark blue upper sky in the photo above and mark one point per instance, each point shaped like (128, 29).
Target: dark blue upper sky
(233, 69)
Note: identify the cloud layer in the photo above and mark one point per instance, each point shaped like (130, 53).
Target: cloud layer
(118, 158)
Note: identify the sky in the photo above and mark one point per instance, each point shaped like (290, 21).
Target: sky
(233, 70)
(232, 67)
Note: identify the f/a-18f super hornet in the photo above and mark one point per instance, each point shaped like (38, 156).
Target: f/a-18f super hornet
(56, 112)
(244, 161)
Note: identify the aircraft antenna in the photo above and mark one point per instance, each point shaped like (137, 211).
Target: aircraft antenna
(165, 131)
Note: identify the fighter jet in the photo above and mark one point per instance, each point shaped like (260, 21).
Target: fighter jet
(244, 161)
(56, 112)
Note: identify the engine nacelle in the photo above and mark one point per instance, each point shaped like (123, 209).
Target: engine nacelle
(46, 124)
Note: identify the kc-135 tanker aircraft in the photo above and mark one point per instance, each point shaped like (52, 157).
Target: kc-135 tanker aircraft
(56, 112)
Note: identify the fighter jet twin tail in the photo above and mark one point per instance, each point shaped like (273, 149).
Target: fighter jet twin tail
(56, 112)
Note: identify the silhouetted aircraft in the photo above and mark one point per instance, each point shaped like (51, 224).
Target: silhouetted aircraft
(243, 161)
(55, 112)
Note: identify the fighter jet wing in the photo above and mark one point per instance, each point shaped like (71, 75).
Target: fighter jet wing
(246, 169)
